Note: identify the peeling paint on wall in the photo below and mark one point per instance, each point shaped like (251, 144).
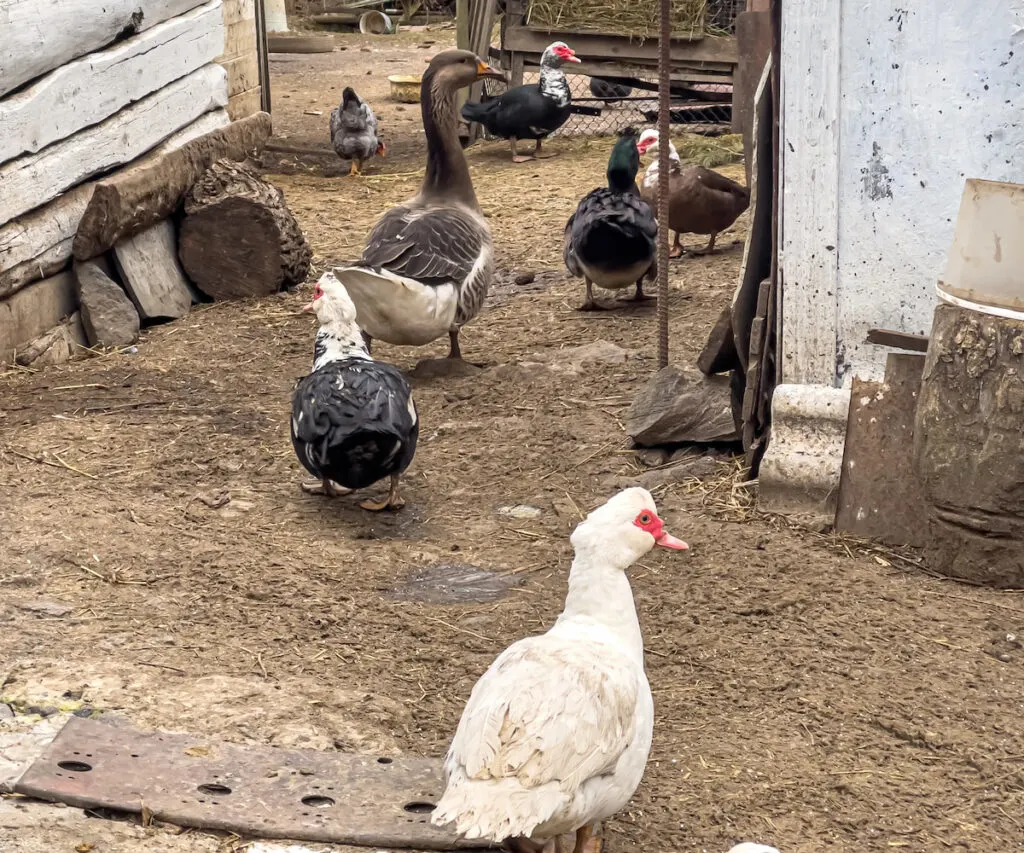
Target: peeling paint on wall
(875, 176)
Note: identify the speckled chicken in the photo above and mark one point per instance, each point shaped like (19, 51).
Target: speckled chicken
(354, 131)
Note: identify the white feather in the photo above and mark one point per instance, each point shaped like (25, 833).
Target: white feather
(396, 309)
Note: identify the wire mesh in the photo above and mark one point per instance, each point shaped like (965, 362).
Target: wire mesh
(697, 107)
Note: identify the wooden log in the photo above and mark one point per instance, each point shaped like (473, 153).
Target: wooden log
(969, 447)
(33, 310)
(136, 198)
(238, 238)
(55, 346)
(93, 88)
(38, 37)
(152, 276)
(31, 181)
(39, 244)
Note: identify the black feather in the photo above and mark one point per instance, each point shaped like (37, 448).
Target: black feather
(351, 422)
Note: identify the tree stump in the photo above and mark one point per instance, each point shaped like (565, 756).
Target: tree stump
(238, 237)
(969, 447)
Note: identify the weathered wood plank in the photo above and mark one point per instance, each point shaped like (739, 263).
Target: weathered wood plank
(149, 267)
(810, 158)
(239, 39)
(134, 199)
(39, 244)
(245, 104)
(899, 340)
(93, 88)
(591, 46)
(239, 10)
(30, 312)
(38, 37)
(31, 181)
(243, 73)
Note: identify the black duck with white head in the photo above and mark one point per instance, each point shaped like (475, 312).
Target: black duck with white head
(353, 419)
(533, 111)
(610, 240)
(428, 262)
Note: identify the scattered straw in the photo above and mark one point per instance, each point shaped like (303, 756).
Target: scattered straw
(634, 18)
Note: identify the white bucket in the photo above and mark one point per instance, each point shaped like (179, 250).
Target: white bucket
(374, 23)
(985, 269)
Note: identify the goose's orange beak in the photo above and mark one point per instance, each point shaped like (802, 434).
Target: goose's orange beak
(484, 70)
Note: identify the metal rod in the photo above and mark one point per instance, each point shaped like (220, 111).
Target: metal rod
(664, 105)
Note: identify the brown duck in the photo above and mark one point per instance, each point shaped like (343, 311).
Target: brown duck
(700, 201)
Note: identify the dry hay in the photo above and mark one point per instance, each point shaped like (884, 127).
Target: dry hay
(710, 151)
(634, 18)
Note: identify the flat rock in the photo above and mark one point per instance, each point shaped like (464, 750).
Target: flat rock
(575, 359)
(682, 405)
(108, 315)
(520, 511)
(45, 608)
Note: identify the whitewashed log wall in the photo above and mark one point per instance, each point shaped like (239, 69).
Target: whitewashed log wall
(87, 88)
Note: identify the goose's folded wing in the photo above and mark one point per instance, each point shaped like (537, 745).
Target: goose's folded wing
(437, 246)
(547, 715)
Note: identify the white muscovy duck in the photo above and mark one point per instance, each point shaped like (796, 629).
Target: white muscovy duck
(752, 847)
(354, 131)
(555, 736)
(610, 239)
(428, 262)
(353, 419)
(533, 111)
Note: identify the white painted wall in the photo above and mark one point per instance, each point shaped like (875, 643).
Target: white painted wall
(888, 106)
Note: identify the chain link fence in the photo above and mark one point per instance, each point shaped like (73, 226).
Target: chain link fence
(602, 107)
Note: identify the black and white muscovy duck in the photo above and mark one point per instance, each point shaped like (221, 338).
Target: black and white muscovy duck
(353, 419)
(428, 262)
(534, 111)
(354, 131)
(611, 238)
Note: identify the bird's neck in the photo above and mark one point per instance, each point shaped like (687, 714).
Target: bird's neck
(554, 85)
(335, 342)
(447, 173)
(600, 594)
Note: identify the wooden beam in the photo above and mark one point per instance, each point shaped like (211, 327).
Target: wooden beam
(38, 37)
(245, 104)
(809, 152)
(152, 275)
(30, 312)
(93, 88)
(135, 199)
(31, 181)
(39, 244)
(898, 340)
(590, 46)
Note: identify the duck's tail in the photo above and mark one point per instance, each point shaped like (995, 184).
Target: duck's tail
(496, 809)
(396, 309)
(479, 112)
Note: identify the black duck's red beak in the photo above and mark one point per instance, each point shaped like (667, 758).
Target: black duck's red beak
(484, 70)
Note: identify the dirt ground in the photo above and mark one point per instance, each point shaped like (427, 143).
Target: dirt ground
(811, 693)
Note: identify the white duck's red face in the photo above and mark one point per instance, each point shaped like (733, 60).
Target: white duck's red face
(331, 301)
(648, 521)
(648, 139)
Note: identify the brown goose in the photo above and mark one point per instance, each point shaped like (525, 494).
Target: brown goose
(700, 201)
(428, 262)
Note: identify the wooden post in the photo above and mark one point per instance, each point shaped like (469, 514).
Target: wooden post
(664, 128)
(969, 446)
(462, 41)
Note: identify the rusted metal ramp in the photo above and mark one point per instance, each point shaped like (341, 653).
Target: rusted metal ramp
(253, 791)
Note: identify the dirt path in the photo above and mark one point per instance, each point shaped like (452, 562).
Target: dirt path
(809, 693)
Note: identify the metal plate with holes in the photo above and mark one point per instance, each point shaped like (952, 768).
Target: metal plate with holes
(250, 790)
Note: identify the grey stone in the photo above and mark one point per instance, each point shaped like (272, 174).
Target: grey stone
(45, 608)
(520, 511)
(682, 405)
(108, 315)
(6, 712)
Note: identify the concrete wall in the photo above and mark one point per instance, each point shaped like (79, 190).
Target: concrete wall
(887, 108)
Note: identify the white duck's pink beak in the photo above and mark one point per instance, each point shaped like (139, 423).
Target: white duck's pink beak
(667, 540)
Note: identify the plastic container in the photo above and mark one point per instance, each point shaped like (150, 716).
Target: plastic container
(985, 268)
(374, 23)
(405, 88)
